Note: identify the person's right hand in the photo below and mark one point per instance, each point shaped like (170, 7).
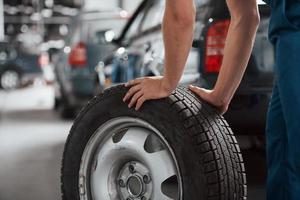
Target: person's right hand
(146, 88)
(210, 97)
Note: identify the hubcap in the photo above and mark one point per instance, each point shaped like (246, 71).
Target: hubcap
(10, 80)
(128, 159)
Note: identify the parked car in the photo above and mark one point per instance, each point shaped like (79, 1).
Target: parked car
(17, 66)
(86, 45)
(140, 52)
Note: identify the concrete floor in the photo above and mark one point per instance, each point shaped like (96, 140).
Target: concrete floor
(32, 138)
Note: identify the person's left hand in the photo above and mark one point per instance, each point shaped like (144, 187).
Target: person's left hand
(211, 97)
(147, 88)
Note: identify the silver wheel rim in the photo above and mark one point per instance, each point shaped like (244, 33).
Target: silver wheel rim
(129, 159)
(10, 80)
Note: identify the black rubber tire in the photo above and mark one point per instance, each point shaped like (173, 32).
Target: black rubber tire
(206, 150)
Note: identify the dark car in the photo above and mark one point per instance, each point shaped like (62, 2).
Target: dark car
(76, 65)
(17, 65)
(141, 53)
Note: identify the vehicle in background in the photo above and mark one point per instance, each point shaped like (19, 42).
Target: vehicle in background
(140, 52)
(76, 65)
(19, 67)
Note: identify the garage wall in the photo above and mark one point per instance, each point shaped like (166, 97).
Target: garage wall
(129, 5)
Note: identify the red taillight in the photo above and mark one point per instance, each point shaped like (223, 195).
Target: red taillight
(43, 59)
(78, 55)
(215, 43)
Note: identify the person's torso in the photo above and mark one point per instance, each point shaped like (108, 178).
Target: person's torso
(285, 17)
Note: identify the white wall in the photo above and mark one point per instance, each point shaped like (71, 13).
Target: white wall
(129, 5)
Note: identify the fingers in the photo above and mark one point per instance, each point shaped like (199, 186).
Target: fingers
(207, 96)
(134, 99)
(140, 102)
(131, 92)
(133, 82)
(196, 90)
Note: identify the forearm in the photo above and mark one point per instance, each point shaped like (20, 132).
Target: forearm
(239, 44)
(178, 28)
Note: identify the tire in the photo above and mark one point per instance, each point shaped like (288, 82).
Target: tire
(185, 149)
(10, 78)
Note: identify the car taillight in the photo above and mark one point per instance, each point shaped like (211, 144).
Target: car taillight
(78, 55)
(215, 43)
(43, 59)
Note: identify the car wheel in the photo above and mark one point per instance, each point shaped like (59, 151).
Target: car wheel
(173, 148)
(10, 79)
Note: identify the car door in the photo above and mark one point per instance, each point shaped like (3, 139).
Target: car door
(143, 52)
(150, 41)
(151, 47)
(121, 65)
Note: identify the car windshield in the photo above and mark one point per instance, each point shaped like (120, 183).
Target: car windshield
(96, 29)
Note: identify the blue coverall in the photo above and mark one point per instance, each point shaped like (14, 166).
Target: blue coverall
(283, 123)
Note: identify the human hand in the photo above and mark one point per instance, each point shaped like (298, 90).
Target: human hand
(147, 88)
(211, 97)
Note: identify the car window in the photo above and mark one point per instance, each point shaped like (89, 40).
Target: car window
(154, 14)
(203, 8)
(201, 3)
(75, 36)
(98, 37)
(134, 27)
(4, 51)
(96, 29)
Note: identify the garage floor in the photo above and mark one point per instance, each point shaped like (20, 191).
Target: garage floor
(32, 137)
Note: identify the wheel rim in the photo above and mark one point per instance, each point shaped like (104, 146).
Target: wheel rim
(129, 159)
(10, 80)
